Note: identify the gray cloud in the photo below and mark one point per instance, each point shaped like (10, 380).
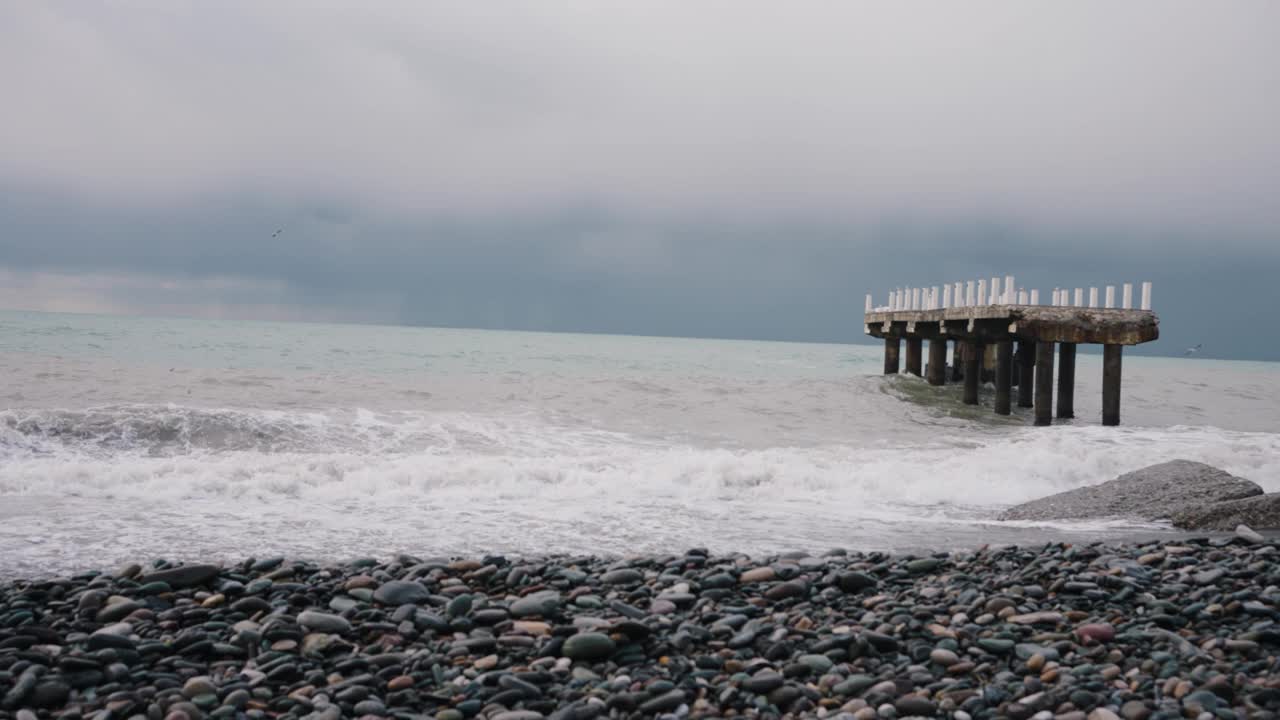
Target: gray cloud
(721, 168)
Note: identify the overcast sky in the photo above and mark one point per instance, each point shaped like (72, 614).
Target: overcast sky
(729, 169)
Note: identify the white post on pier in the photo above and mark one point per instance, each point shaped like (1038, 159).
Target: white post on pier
(937, 298)
(1054, 297)
(995, 292)
(1010, 291)
(915, 298)
(868, 302)
(982, 292)
(1111, 296)
(1128, 296)
(1079, 297)
(1022, 296)
(1093, 297)
(1035, 297)
(959, 295)
(946, 296)
(1146, 295)
(968, 294)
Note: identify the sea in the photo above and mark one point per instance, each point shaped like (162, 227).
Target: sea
(135, 438)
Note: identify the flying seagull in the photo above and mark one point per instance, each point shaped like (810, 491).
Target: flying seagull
(277, 232)
(1193, 350)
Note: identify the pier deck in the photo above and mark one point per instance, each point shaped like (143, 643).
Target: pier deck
(1011, 344)
(1039, 323)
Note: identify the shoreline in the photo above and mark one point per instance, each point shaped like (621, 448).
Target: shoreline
(1166, 628)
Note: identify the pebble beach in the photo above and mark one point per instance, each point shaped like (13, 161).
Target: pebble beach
(1174, 629)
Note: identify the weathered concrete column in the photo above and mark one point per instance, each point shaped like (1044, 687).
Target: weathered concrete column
(957, 361)
(891, 349)
(1044, 383)
(937, 369)
(913, 356)
(1026, 370)
(1004, 375)
(971, 373)
(989, 362)
(1111, 384)
(1066, 380)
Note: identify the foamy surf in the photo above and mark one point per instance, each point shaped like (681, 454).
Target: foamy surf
(177, 435)
(142, 481)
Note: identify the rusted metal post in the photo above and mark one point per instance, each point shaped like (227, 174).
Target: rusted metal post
(892, 347)
(971, 372)
(1044, 383)
(1111, 384)
(913, 355)
(1066, 380)
(1026, 371)
(1004, 374)
(937, 369)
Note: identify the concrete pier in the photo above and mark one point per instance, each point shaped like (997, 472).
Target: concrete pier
(1066, 380)
(1019, 340)
(913, 355)
(937, 368)
(891, 349)
(1044, 383)
(989, 362)
(1026, 359)
(1004, 376)
(971, 373)
(1111, 384)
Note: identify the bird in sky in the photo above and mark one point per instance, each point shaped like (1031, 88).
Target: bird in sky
(277, 232)
(1193, 350)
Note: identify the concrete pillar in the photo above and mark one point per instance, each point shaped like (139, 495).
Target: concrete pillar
(891, 349)
(1066, 380)
(1004, 375)
(988, 362)
(1026, 373)
(937, 369)
(972, 372)
(913, 356)
(1044, 383)
(957, 361)
(1111, 384)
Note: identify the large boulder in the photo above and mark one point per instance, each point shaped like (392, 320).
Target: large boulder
(1260, 512)
(1157, 492)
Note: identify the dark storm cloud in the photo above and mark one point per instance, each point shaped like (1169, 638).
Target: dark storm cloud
(732, 168)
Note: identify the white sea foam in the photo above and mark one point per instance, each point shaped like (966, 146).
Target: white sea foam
(459, 482)
(131, 438)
